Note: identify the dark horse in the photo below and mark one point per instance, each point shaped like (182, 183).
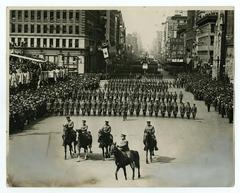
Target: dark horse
(122, 159)
(105, 142)
(85, 142)
(69, 139)
(149, 143)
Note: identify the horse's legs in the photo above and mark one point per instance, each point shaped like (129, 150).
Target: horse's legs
(79, 149)
(151, 154)
(74, 145)
(147, 156)
(103, 153)
(70, 150)
(125, 173)
(65, 151)
(86, 153)
(133, 170)
(116, 172)
(107, 152)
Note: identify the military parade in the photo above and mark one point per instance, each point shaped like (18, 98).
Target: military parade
(81, 112)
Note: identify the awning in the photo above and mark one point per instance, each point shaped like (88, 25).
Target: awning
(27, 58)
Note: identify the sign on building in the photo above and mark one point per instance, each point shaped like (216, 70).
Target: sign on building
(105, 52)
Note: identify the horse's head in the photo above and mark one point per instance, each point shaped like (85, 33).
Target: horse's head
(113, 148)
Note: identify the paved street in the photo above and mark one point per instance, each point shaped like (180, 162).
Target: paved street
(191, 153)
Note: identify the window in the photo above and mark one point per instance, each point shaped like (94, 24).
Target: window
(70, 43)
(32, 42)
(38, 42)
(64, 15)
(44, 42)
(76, 29)
(70, 29)
(58, 29)
(45, 15)
(51, 15)
(19, 41)
(51, 29)
(77, 16)
(76, 43)
(212, 28)
(13, 14)
(38, 15)
(13, 29)
(70, 15)
(45, 28)
(25, 15)
(211, 40)
(26, 41)
(38, 28)
(64, 43)
(19, 15)
(51, 43)
(64, 30)
(32, 15)
(32, 29)
(13, 40)
(58, 15)
(57, 43)
(25, 28)
(19, 28)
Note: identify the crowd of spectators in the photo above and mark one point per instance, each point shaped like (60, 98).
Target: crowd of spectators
(30, 104)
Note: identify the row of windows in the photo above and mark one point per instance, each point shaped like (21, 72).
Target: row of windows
(44, 15)
(25, 28)
(46, 42)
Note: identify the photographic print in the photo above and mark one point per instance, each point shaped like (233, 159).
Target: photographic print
(120, 97)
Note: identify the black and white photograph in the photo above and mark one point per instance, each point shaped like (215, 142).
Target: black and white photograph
(120, 96)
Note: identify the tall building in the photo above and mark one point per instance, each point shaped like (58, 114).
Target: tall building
(64, 37)
(205, 31)
(174, 45)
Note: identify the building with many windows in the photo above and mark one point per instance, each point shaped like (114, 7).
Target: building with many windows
(64, 37)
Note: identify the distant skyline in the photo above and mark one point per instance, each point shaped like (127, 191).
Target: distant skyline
(146, 21)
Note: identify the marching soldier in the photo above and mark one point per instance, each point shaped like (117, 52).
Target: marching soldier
(55, 107)
(77, 107)
(88, 107)
(182, 109)
(169, 108)
(144, 107)
(114, 106)
(180, 96)
(82, 106)
(94, 106)
(137, 107)
(156, 108)
(131, 108)
(188, 110)
(60, 107)
(71, 107)
(66, 107)
(125, 110)
(49, 109)
(175, 97)
(104, 107)
(194, 111)
(109, 106)
(175, 109)
(163, 109)
(99, 107)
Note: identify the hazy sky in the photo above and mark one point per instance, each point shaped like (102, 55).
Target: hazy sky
(146, 21)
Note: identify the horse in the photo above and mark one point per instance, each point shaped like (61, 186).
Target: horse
(69, 139)
(122, 159)
(105, 141)
(149, 143)
(85, 142)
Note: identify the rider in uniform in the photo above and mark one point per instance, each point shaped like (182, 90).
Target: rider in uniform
(194, 111)
(150, 129)
(67, 126)
(105, 130)
(123, 145)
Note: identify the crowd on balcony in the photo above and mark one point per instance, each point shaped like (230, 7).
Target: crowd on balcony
(216, 93)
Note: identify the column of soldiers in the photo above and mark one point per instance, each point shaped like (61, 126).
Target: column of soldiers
(216, 93)
(121, 97)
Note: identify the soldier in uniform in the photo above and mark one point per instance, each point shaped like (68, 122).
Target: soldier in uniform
(150, 129)
(68, 126)
(55, 107)
(109, 106)
(137, 107)
(82, 106)
(88, 107)
(123, 145)
(66, 107)
(182, 109)
(77, 106)
(60, 106)
(208, 102)
(104, 107)
(180, 96)
(71, 107)
(105, 130)
(175, 97)
(194, 111)
(99, 107)
(125, 110)
(49, 107)
(131, 107)
(175, 109)
(114, 107)
(144, 107)
(156, 107)
(94, 104)
(188, 110)
(169, 108)
(163, 109)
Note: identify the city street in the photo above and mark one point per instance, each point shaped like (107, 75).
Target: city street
(191, 152)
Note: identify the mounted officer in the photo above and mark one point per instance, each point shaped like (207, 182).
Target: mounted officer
(151, 130)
